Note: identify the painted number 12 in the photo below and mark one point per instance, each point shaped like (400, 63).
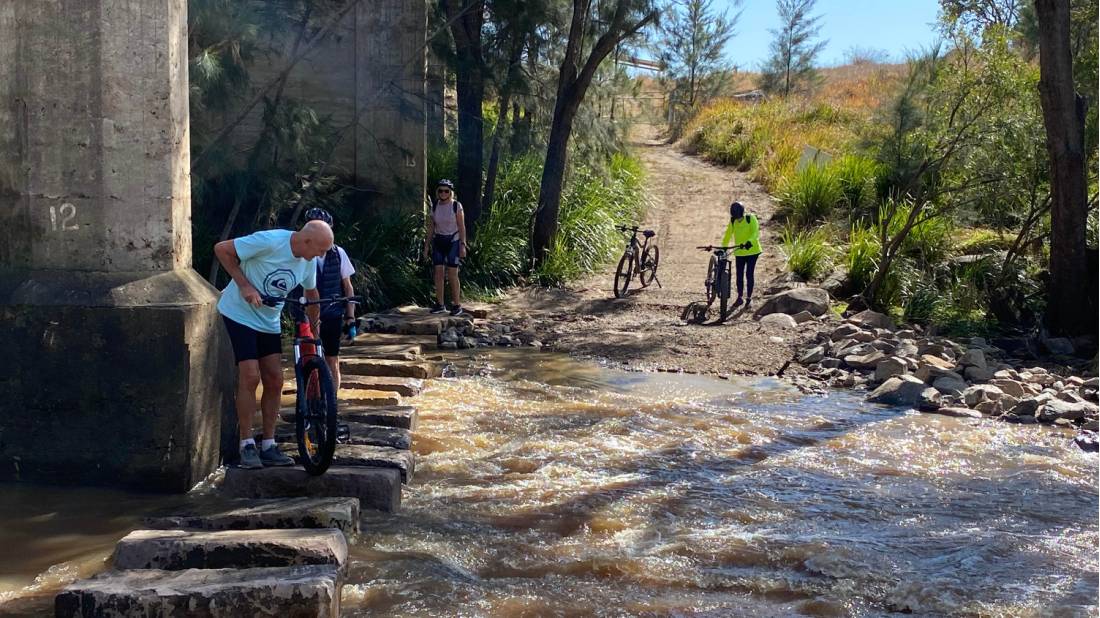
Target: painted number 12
(61, 218)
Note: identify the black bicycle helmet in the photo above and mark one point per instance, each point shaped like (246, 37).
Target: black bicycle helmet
(443, 182)
(737, 210)
(318, 214)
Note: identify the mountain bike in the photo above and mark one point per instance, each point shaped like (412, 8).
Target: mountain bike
(717, 285)
(315, 415)
(640, 258)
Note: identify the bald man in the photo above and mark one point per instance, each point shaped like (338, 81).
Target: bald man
(267, 263)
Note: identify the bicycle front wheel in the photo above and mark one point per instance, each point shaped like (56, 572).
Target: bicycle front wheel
(651, 257)
(723, 281)
(623, 274)
(712, 281)
(315, 421)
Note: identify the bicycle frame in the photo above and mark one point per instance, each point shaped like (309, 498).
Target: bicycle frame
(634, 247)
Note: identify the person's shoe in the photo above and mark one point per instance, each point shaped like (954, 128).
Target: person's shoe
(272, 456)
(438, 308)
(738, 302)
(456, 310)
(748, 301)
(250, 458)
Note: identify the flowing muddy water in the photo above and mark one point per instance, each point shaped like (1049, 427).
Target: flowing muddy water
(549, 487)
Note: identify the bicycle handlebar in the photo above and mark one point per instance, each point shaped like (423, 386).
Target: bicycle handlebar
(713, 248)
(271, 301)
(624, 228)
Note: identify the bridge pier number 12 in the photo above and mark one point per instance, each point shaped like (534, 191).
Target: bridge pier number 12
(61, 218)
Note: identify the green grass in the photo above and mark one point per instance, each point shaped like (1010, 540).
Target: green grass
(811, 194)
(808, 252)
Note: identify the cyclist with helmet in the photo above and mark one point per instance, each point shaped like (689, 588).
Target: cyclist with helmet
(445, 243)
(744, 230)
(334, 271)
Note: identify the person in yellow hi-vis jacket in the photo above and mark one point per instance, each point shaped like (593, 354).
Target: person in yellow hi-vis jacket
(743, 232)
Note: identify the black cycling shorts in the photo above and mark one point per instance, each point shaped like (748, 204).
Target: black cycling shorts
(445, 250)
(251, 344)
(331, 329)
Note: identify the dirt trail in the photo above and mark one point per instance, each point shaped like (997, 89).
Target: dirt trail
(690, 207)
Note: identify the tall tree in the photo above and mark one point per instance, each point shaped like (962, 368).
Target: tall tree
(467, 17)
(1064, 118)
(624, 19)
(794, 49)
(692, 49)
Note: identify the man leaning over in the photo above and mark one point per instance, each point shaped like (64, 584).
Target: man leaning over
(268, 263)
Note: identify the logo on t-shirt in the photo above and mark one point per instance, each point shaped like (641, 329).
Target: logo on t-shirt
(279, 282)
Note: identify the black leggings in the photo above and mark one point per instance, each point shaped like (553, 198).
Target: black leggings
(745, 263)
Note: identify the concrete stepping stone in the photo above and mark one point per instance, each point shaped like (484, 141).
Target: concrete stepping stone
(404, 417)
(175, 550)
(369, 456)
(406, 387)
(359, 433)
(384, 352)
(376, 488)
(339, 513)
(384, 339)
(299, 591)
(419, 322)
(387, 368)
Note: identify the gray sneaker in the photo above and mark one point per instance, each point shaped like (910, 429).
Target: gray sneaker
(272, 456)
(250, 458)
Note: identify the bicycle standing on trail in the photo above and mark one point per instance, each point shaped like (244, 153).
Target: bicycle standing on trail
(743, 233)
(334, 272)
(445, 244)
(270, 263)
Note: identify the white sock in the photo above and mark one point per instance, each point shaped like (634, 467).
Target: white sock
(246, 442)
(267, 443)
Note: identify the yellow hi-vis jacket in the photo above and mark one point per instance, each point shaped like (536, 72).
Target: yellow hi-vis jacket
(738, 231)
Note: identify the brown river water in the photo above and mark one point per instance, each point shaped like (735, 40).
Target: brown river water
(550, 487)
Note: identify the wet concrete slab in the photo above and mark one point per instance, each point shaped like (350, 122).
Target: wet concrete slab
(174, 550)
(376, 488)
(339, 513)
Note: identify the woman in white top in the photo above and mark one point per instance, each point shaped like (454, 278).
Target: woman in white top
(446, 244)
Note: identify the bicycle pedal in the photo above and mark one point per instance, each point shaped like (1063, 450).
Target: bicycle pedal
(343, 433)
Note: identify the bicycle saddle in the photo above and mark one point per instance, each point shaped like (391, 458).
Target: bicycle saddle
(649, 233)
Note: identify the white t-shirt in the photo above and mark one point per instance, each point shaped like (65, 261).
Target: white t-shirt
(346, 269)
(445, 218)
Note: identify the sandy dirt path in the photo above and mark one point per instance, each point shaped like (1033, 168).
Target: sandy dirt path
(690, 207)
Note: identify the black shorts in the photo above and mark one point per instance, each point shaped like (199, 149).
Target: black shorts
(251, 344)
(331, 329)
(445, 250)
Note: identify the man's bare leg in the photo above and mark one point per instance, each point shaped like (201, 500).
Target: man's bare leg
(271, 373)
(248, 378)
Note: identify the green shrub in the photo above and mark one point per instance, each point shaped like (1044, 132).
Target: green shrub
(811, 194)
(981, 241)
(858, 178)
(928, 242)
(809, 253)
(862, 256)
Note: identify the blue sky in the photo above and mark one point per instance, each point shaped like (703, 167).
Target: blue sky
(894, 26)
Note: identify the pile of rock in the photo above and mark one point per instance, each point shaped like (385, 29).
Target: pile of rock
(937, 374)
(484, 333)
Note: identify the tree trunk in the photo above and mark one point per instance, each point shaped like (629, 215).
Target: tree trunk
(466, 17)
(553, 180)
(511, 76)
(1064, 118)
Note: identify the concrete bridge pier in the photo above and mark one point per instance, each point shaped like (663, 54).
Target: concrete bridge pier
(117, 370)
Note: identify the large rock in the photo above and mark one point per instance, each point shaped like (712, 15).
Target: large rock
(978, 374)
(174, 550)
(1059, 346)
(973, 357)
(778, 320)
(376, 488)
(368, 456)
(1009, 386)
(873, 319)
(958, 412)
(1056, 409)
(386, 368)
(906, 391)
(299, 592)
(864, 361)
(339, 513)
(949, 385)
(890, 367)
(844, 331)
(974, 395)
(791, 302)
(802, 317)
(812, 355)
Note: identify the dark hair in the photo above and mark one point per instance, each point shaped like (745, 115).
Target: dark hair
(737, 210)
